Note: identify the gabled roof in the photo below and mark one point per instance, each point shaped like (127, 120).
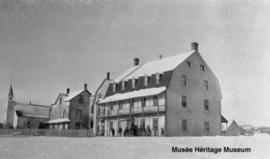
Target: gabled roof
(152, 67)
(31, 110)
(133, 94)
(230, 123)
(70, 96)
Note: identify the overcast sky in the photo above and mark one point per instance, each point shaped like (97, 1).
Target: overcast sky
(47, 46)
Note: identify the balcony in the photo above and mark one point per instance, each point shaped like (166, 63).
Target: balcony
(144, 110)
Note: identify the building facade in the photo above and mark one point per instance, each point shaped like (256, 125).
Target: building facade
(172, 96)
(71, 110)
(99, 95)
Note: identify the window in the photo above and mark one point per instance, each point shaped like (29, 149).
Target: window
(120, 105)
(50, 113)
(184, 80)
(78, 114)
(81, 101)
(134, 83)
(123, 85)
(184, 101)
(146, 80)
(155, 100)
(158, 76)
(78, 125)
(149, 101)
(143, 123)
(188, 63)
(143, 101)
(202, 67)
(206, 127)
(206, 104)
(132, 104)
(184, 125)
(64, 114)
(205, 83)
(114, 87)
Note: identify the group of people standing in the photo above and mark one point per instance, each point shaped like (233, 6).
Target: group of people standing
(134, 130)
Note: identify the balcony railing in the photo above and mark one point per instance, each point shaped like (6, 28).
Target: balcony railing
(152, 109)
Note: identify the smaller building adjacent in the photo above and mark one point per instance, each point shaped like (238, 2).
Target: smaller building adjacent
(231, 128)
(71, 110)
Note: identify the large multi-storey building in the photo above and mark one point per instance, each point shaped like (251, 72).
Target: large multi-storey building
(172, 96)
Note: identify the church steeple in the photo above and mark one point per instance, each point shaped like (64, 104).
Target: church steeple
(10, 94)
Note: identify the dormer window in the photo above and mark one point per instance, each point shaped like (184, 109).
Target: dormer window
(188, 63)
(146, 80)
(158, 77)
(123, 85)
(134, 83)
(202, 67)
(114, 87)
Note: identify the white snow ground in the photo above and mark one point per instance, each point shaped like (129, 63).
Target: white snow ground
(129, 148)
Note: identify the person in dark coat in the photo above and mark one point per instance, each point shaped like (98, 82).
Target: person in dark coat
(162, 132)
(126, 131)
(148, 131)
(113, 131)
(119, 131)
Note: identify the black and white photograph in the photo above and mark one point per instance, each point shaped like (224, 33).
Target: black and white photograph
(138, 79)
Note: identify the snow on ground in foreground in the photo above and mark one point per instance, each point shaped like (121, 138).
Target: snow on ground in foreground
(126, 148)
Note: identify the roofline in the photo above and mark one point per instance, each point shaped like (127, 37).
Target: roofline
(219, 90)
(96, 92)
(79, 94)
(132, 71)
(58, 97)
(35, 105)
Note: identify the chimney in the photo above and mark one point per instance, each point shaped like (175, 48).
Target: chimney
(68, 90)
(108, 76)
(85, 86)
(136, 61)
(194, 46)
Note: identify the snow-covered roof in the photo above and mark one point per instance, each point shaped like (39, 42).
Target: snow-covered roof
(133, 94)
(60, 120)
(230, 122)
(72, 95)
(126, 73)
(152, 67)
(31, 110)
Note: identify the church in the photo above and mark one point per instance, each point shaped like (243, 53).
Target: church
(25, 115)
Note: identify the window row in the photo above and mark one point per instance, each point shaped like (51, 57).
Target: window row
(202, 68)
(158, 100)
(184, 103)
(206, 126)
(134, 82)
(184, 82)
